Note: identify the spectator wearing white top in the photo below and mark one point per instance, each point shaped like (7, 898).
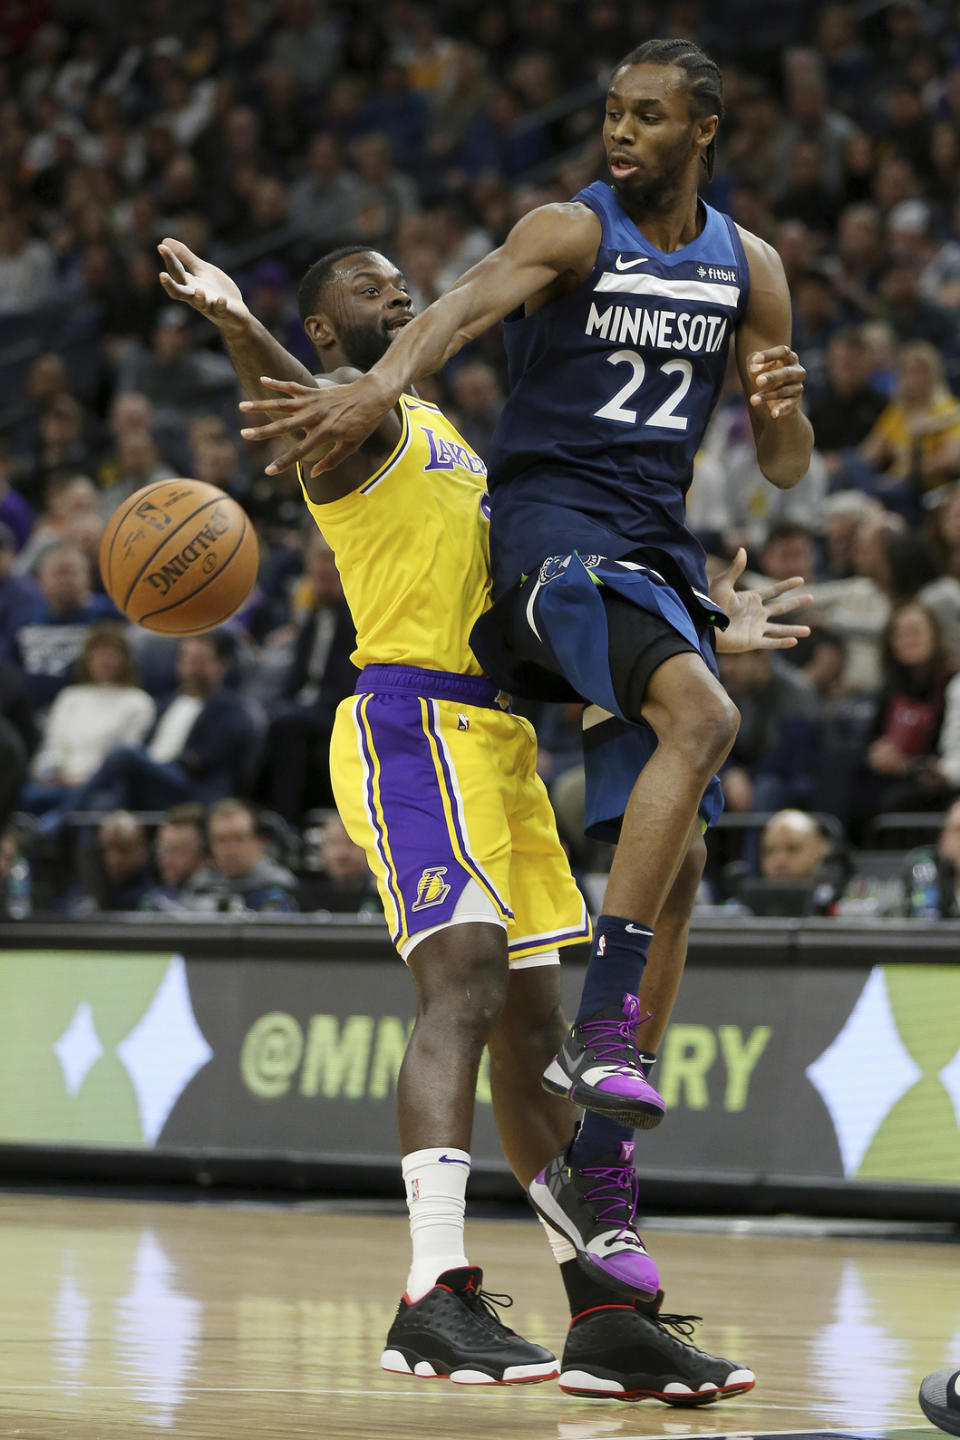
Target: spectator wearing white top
(105, 708)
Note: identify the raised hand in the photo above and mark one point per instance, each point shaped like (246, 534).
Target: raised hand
(200, 284)
(752, 612)
(336, 420)
(778, 377)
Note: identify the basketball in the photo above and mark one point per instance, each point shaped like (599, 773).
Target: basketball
(179, 557)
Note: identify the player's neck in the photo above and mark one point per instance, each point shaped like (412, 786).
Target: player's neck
(671, 222)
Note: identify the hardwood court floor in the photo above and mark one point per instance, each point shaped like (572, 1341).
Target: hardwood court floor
(128, 1319)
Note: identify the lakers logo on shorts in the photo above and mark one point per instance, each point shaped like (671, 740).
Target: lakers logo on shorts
(432, 889)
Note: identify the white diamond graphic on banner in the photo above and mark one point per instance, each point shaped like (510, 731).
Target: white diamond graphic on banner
(164, 1050)
(950, 1076)
(865, 1071)
(78, 1048)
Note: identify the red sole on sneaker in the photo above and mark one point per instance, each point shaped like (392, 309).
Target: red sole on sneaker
(675, 1401)
(475, 1384)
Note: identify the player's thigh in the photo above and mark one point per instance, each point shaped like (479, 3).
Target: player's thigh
(415, 792)
(461, 974)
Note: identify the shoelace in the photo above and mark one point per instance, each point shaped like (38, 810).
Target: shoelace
(621, 1193)
(482, 1303)
(683, 1324)
(608, 1038)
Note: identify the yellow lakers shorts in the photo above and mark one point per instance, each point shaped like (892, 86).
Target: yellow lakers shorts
(439, 786)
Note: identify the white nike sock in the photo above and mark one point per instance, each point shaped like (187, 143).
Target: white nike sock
(559, 1244)
(436, 1183)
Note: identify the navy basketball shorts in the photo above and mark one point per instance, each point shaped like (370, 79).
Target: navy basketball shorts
(597, 629)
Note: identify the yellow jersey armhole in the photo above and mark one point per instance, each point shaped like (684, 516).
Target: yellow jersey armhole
(395, 456)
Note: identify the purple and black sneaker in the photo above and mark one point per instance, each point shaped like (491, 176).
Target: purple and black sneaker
(595, 1209)
(600, 1067)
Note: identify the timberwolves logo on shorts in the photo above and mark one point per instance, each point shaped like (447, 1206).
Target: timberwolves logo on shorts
(432, 889)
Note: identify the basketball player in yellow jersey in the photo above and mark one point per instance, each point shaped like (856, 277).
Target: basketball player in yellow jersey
(437, 781)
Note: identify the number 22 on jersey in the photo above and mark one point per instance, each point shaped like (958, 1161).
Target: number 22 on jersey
(665, 416)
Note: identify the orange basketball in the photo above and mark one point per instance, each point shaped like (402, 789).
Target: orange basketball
(179, 557)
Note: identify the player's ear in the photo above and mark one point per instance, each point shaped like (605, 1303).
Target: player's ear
(320, 331)
(706, 129)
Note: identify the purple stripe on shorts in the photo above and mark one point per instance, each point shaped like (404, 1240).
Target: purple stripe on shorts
(452, 792)
(393, 884)
(432, 685)
(429, 876)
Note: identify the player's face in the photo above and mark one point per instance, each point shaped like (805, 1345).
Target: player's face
(370, 304)
(649, 135)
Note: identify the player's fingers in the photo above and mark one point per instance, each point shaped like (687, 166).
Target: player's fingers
(299, 451)
(177, 248)
(786, 632)
(762, 359)
(787, 604)
(780, 587)
(273, 405)
(736, 567)
(333, 458)
(174, 287)
(785, 407)
(289, 387)
(174, 268)
(773, 643)
(280, 427)
(781, 376)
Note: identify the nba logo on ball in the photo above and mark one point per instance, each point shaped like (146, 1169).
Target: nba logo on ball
(179, 557)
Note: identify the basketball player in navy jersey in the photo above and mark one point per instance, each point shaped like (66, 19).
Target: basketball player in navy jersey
(619, 308)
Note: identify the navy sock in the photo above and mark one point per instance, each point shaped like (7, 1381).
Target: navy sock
(616, 964)
(598, 1141)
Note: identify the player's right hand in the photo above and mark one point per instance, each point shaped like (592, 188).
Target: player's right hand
(336, 420)
(200, 284)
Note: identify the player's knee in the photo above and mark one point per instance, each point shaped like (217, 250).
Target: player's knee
(694, 862)
(464, 990)
(527, 1041)
(707, 732)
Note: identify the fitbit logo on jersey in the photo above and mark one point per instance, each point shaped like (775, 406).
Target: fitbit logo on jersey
(661, 329)
(164, 579)
(717, 272)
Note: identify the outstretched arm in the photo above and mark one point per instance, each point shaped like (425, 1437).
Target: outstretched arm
(253, 351)
(552, 242)
(770, 372)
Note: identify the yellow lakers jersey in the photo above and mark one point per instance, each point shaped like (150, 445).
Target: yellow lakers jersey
(413, 549)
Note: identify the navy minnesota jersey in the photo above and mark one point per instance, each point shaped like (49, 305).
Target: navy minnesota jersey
(612, 386)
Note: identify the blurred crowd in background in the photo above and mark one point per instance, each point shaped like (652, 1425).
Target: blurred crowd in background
(152, 774)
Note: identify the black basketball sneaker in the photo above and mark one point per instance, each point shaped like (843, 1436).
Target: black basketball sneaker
(600, 1067)
(595, 1209)
(454, 1331)
(940, 1399)
(624, 1352)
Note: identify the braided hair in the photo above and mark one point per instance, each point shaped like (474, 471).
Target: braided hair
(704, 80)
